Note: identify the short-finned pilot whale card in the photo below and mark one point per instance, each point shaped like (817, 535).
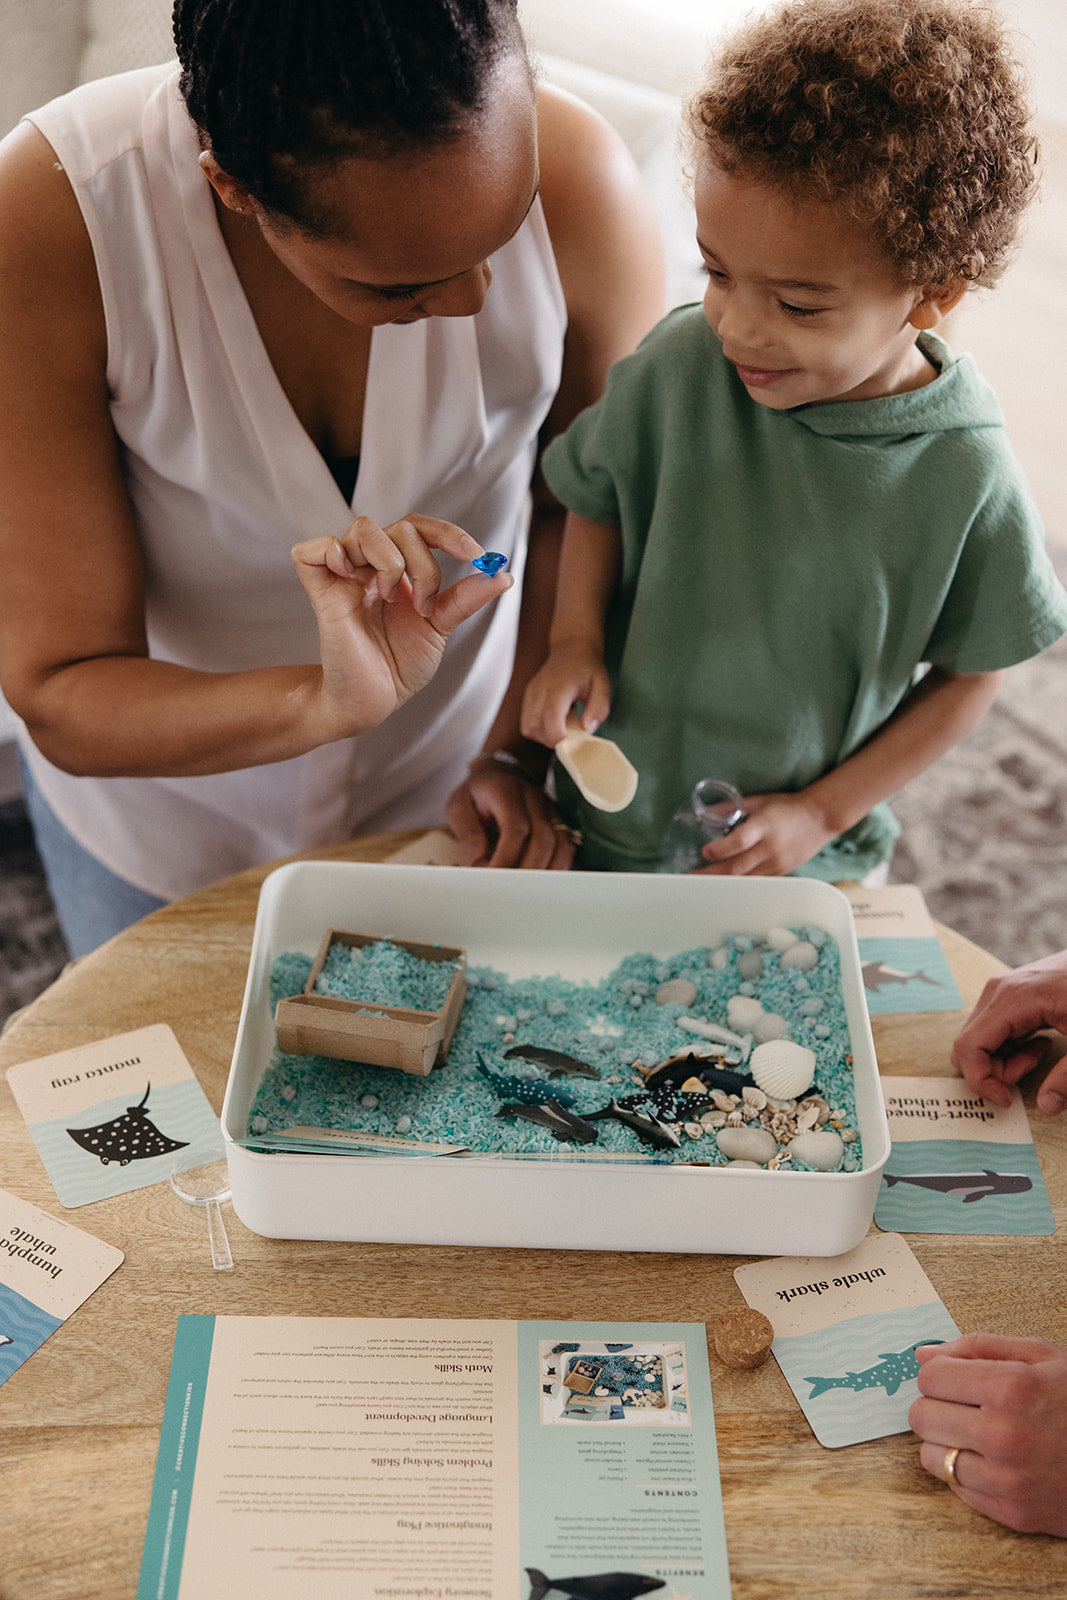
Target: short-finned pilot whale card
(111, 1116)
(903, 965)
(959, 1164)
(845, 1333)
(47, 1269)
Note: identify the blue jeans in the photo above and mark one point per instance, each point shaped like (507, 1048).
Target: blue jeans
(92, 903)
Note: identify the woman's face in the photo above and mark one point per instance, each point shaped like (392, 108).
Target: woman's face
(415, 230)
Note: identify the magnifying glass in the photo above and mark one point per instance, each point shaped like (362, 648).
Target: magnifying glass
(201, 1176)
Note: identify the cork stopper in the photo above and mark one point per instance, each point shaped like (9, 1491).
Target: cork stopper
(743, 1337)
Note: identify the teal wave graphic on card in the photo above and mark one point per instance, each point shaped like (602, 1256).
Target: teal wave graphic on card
(965, 1186)
(24, 1328)
(856, 1379)
(904, 975)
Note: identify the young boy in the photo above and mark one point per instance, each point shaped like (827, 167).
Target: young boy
(790, 500)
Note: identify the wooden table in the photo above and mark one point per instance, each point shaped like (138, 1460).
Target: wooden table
(79, 1422)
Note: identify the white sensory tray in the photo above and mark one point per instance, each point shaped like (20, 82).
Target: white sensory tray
(578, 925)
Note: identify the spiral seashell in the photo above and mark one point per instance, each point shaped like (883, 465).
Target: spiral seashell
(783, 1069)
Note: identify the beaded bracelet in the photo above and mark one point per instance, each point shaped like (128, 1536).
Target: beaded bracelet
(504, 758)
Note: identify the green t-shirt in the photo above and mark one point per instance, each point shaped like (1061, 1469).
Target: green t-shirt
(784, 574)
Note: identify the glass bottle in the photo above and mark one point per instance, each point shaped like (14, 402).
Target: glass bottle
(712, 810)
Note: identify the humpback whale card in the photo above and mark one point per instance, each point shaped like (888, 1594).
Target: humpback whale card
(111, 1116)
(47, 1268)
(959, 1164)
(904, 967)
(845, 1333)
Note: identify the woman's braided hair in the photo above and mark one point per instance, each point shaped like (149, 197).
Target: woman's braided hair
(911, 114)
(277, 87)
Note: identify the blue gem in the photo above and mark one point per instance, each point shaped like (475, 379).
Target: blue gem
(490, 563)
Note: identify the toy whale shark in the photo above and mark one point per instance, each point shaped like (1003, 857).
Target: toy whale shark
(600, 1586)
(893, 1369)
(967, 1186)
(529, 1091)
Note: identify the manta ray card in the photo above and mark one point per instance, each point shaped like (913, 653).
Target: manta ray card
(959, 1164)
(47, 1268)
(846, 1329)
(903, 965)
(111, 1116)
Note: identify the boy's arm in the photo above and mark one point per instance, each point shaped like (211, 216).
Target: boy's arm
(588, 573)
(782, 831)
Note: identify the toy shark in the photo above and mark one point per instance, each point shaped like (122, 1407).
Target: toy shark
(893, 1369)
(557, 1062)
(648, 1128)
(561, 1124)
(966, 1186)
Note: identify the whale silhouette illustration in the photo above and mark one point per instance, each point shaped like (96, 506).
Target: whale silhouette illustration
(876, 976)
(893, 1369)
(598, 1586)
(966, 1186)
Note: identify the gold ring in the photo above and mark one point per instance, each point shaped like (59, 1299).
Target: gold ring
(574, 835)
(948, 1467)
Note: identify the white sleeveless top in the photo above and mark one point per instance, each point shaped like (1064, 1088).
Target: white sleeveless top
(224, 480)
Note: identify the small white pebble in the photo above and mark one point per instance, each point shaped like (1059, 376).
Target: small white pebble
(288, 1092)
(403, 1124)
(368, 1100)
(259, 1124)
(509, 1038)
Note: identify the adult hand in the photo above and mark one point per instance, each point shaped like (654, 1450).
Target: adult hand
(501, 819)
(1003, 1404)
(572, 672)
(780, 832)
(994, 1050)
(382, 616)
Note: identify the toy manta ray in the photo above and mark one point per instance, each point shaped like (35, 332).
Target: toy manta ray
(131, 1137)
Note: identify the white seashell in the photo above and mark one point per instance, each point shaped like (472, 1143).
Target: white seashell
(747, 1144)
(779, 938)
(713, 1119)
(800, 955)
(694, 1130)
(601, 1390)
(722, 1100)
(808, 1121)
(743, 1012)
(770, 1026)
(677, 992)
(753, 1097)
(782, 1068)
(822, 1150)
(694, 1086)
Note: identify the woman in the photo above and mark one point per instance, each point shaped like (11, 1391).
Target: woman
(241, 308)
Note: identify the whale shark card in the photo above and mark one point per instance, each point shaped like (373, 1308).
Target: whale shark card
(111, 1116)
(47, 1269)
(845, 1333)
(903, 965)
(959, 1164)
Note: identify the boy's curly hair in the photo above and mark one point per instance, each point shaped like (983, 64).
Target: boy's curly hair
(912, 113)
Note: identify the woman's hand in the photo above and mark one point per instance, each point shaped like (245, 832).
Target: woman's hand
(383, 618)
(780, 832)
(1002, 1403)
(994, 1050)
(502, 819)
(573, 671)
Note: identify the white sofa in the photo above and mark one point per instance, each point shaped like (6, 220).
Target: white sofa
(632, 60)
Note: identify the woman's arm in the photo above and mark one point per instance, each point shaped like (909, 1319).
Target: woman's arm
(74, 660)
(782, 831)
(607, 245)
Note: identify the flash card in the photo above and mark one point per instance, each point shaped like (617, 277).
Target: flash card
(959, 1164)
(904, 967)
(47, 1268)
(845, 1333)
(110, 1117)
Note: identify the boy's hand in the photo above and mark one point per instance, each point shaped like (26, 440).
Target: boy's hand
(780, 832)
(572, 672)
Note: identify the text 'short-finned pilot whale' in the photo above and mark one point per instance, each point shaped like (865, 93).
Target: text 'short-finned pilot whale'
(968, 1186)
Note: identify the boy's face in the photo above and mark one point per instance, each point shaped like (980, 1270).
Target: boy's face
(806, 307)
